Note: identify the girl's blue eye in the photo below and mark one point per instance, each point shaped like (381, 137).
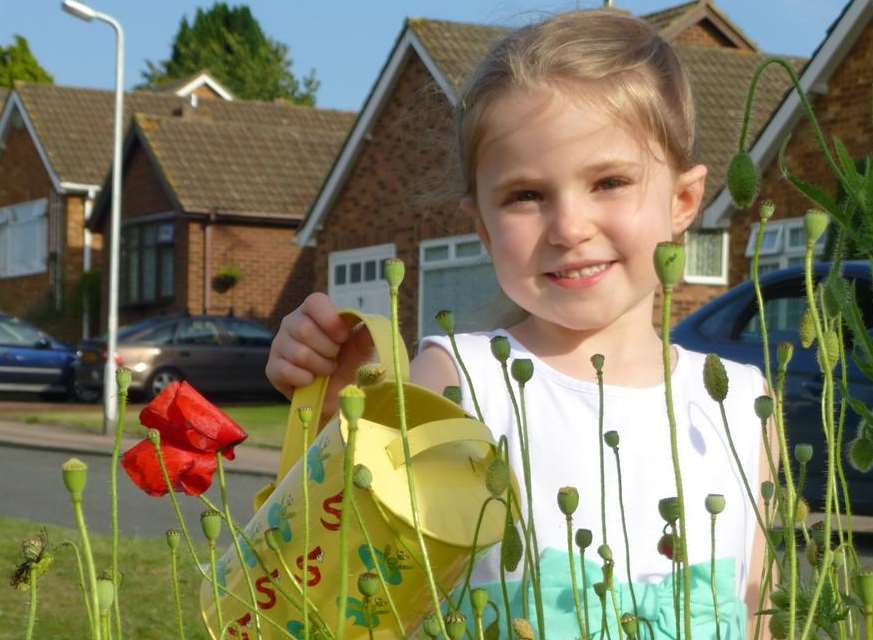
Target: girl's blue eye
(524, 195)
(613, 182)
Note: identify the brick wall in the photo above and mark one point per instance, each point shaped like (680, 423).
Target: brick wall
(703, 33)
(844, 112)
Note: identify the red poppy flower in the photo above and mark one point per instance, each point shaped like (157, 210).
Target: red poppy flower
(192, 431)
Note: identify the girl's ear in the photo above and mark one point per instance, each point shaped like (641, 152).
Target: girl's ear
(469, 207)
(687, 196)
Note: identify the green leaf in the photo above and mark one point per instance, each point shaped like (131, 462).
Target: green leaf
(852, 179)
(492, 631)
(861, 454)
(813, 193)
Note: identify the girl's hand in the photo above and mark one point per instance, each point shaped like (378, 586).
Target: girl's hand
(314, 341)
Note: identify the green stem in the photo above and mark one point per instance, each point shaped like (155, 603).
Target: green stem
(177, 597)
(368, 608)
(407, 457)
(572, 558)
(466, 583)
(668, 391)
(89, 561)
(286, 570)
(602, 464)
(868, 624)
(348, 466)
(615, 606)
(213, 572)
(712, 579)
(503, 589)
(31, 613)
(104, 623)
(466, 376)
(675, 584)
(113, 481)
(585, 596)
(81, 580)
(480, 630)
(624, 533)
(843, 483)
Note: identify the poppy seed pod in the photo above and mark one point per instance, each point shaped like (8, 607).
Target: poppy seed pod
(479, 601)
(368, 584)
(669, 263)
(521, 370)
(715, 378)
(864, 588)
(522, 629)
(669, 509)
(305, 415)
(766, 210)
(432, 626)
(369, 374)
(597, 361)
(611, 439)
(803, 452)
(604, 552)
(210, 522)
(172, 539)
(778, 625)
(584, 538)
(456, 625)
(832, 342)
(362, 476)
(815, 223)
(629, 624)
(453, 393)
(742, 180)
(807, 329)
(763, 407)
(122, 379)
(714, 503)
(511, 549)
(394, 272)
(600, 590)
(105, 594)
(154, 436)
(75, 474)
(568, 500)
(767, 489)
(446, 321)
(500, 348)
(784, 353)
(32, 548)
(497, 477)
(351, 402)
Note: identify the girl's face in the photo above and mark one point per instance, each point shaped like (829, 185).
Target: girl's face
(570, 207)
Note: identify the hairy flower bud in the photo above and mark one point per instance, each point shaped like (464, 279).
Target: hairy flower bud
(511, 548)
(362, 476)
(611, 439)
(568, 500)
(714, 503)
(784, 353)
(210, 522)
(446, 321)
(521, 370)
(715, 378)
(351, 402)
(584, 538)
(497, 477)
(832, 343)
(803, 452)
(105, 594)
(500, 348)
(453, 393)
(669, 263)
(597, 360)
(815, 223)
(766, 210)
(432, 626)
(394, 272)
(767, 489)
(801, 511)
(368, 584)
(778, 625)
(742, 180)
(75, 474)
(861, 452)
(369, 374)
(807, 329)
(763, 407)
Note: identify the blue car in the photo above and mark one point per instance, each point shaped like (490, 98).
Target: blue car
(31, 361)
(729, 327)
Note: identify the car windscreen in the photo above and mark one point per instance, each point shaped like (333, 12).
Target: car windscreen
(16, 332)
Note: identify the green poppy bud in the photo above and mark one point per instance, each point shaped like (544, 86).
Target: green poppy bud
(607, 572)
(742, 180)
(803, 452)
(368, 584)
(669, 509)
(479, 601)
(611, 439)
(511, 549)
(362, 476)
(500, 348)
(568, 500)
(75, 474)
(778, 625)
(522, 629)
(714, 503)
(832, 343)
(812, 553)
(210, 522)
(715, 378)
(763, 407)
(105, 594)
(446, 321)
(369, 374)
(154, 437)
(784, 353)
(766, 210)
(453, 393)
(351, 402)
(497, 477)
(604, 552)
(864, 588)
(306, 415)
(584, 538)
(780, 599)
(807, 329)
(767, 489)
(432, 626)
(122, 379)
(521, 370)
(669, 263)
(861, 453)
(597, 360)
(32, 548)
(173, 539)
(815, 223)
(629, 624)
(600, 590)
(394, 272)
(456, 625)
(801, 511)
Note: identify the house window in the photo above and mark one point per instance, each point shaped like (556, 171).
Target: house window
(357, 278)
(706, 257)
(23, 238)
(783, 245)
(456, 274)
(147, 262)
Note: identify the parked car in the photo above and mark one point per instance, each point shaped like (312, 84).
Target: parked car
(214, 353)
(31, 361)
(729, 327)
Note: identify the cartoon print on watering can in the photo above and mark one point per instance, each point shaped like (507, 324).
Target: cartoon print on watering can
(390, 564)
(279, 517)
(315, 459)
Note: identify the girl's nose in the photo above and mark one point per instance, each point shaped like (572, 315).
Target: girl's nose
(570, 222)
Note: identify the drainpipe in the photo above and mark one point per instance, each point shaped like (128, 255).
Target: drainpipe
(86, 263)
(207, 247)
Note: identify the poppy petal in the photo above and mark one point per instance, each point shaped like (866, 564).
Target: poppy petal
(206, 427)
(189, 471)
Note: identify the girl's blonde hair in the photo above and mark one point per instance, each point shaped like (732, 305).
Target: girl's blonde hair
(636, 74)
(636, 77)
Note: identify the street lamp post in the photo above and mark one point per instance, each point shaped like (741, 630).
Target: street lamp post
(86, 13)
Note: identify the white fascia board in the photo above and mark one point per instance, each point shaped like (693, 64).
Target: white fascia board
(76, 187)
(199, 81)
(367, 117)
(816, 75)
(14, 104)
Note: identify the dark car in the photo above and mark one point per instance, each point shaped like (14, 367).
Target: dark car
(729, 327)
(31, 361)
(213, 353)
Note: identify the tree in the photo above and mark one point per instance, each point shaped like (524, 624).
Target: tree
(18, 63)
(228, 43)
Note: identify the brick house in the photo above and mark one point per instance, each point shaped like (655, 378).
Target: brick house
(387, 193)
(214, 188)
(55, 148)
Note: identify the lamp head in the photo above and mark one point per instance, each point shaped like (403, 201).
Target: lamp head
(79, 10)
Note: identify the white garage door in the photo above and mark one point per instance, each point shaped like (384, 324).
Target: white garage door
(357, 278)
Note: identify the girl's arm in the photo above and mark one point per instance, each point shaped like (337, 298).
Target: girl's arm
(433, 368)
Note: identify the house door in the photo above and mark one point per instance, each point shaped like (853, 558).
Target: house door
(357, 279)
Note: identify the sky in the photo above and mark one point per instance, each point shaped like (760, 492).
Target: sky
(346, 41)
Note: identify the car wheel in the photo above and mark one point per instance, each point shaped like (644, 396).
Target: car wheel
(159, 380)
(87, 395)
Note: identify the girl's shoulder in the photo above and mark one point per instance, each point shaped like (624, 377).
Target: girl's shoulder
(742, 377)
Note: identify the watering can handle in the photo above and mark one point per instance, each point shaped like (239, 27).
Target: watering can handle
(312, 395)
(432, 434)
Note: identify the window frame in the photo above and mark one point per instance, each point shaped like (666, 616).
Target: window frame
(9, 219)
(721, 279)
(783, 252)
(160, 246)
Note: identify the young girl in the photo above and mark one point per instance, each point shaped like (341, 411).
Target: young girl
(576, 138)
